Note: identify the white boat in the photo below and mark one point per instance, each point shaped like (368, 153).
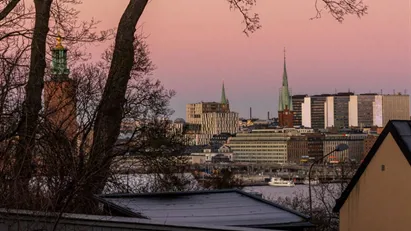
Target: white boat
(313, 181)
(277, 181)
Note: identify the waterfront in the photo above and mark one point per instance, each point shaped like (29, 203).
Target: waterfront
(331, 192)
(276, 192)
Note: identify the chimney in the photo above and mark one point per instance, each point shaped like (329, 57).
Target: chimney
(251, 113)
(268, 115)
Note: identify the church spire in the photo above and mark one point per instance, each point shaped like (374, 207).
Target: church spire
(285, 77)
(224, 99)
(285, 101)
(59, 68)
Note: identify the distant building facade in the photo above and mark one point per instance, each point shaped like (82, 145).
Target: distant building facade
(263, 145)
(395, 107)
(210, 118)
(369, 141)
(355, 143)
(345, 110)
(297, 149)
(215, 123)
(297, 101)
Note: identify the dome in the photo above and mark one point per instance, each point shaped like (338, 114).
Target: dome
(179, 121)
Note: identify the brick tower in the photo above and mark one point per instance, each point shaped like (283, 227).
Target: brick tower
(60, 93)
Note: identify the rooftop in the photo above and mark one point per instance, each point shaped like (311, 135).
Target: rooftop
(219, 207)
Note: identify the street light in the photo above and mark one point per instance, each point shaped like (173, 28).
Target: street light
(339, 148)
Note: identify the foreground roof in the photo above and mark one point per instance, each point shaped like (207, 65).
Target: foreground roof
(37, 220)
(401, 132)
(219, 207)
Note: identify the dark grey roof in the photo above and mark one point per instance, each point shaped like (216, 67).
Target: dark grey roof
(401, 132)
(220, 207)
(37, 219)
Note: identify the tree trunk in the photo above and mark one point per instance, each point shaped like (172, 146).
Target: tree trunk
(110, 111)
(32, 102)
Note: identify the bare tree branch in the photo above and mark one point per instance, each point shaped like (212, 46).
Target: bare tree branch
(9, 7)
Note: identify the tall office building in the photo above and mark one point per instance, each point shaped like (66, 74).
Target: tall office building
(395, 107)
(345, 110)
(285, 104)
(365, 109)
(60, 93)
(314, 111)
(340, 110)
(297, 101)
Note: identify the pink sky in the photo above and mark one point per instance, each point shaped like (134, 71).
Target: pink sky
(197, 43)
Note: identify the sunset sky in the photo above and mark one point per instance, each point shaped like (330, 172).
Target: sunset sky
(195, 44)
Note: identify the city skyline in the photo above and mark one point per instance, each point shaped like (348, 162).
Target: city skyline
(194, 56)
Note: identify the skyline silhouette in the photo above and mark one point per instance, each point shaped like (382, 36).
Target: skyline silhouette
(195, 50)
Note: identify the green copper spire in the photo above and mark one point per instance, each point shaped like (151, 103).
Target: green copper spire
(224, 99)
(285, 99)
(285, 77)
(59, 68)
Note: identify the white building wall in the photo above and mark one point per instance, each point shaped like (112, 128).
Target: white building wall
(353, 111)
(329, 112)
(306, 112)
(377, 111)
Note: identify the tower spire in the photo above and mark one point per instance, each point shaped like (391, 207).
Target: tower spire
(285, 77)
(285, 96)
(59, 67)
(224, 99)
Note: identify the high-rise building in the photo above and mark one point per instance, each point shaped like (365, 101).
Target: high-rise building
(365, 109)
(314, 111)
(345, 110)
(60, 93)
(395, 107)
(297, 101)
(285, 104)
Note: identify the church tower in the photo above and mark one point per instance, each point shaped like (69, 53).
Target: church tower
(285, 104)
(60, 93)
(224, 101)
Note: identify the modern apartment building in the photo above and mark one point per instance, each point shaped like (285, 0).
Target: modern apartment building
(313, 111)
(263, 145)
(297, 101)
(365, 109)
(345, 110)
(395, 107)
